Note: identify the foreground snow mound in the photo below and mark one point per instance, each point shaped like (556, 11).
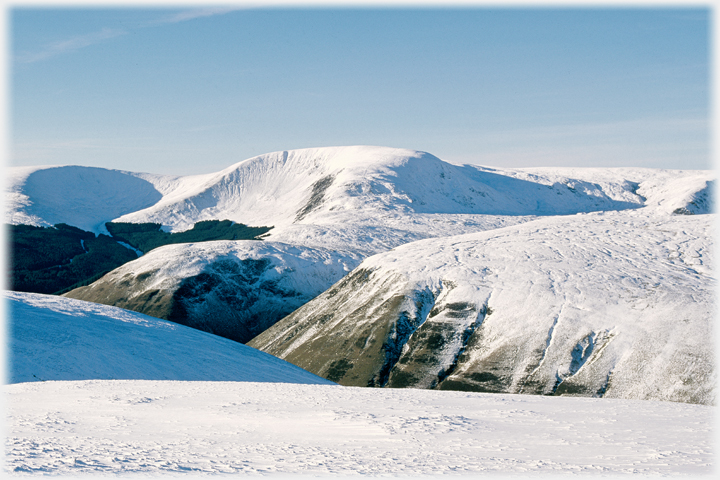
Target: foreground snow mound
(606, 304)
(235, 289)
(122, 427)
(55, 338)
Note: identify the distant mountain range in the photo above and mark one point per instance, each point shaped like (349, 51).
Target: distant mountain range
(324, 185)
(390, 267)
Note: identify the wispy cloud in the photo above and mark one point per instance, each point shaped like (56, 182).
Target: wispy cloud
(81, 41)
(193, 14)
(70, 45)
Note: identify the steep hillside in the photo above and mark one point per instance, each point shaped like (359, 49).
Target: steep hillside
(602, 304)
(55, 338)
(235, 289)
(51, 259)
(332, 207)
(57, 259)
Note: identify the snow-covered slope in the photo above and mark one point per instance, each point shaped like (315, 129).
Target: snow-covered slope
(306, 186)
(56, 338)
(235, 289)
(510, 292)
(150, 428)
(616, 304)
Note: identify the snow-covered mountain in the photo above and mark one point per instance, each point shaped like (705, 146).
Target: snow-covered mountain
(298, 186)
(226, 408)
(56, 338)
(517, 280)
(290, 422)
(613, 304)
(462, 277)
(235, 289)
(84, 197)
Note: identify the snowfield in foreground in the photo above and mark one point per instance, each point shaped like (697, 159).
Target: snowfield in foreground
(152, 427)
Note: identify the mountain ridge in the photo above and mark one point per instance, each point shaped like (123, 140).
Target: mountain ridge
(311, 185)
(535, 280)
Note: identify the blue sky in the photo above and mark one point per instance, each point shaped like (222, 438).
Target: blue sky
(184, 91)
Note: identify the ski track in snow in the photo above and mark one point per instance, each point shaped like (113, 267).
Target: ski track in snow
(162, 427)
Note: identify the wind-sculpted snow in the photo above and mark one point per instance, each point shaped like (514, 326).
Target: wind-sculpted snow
(150, 428)
(603, 304)
(235, 289)
(56, 338)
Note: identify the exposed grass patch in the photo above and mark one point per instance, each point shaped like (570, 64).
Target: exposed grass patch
(316, 197)
(338, 369)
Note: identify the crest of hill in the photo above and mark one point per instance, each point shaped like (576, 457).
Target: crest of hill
(305, 186)
(84, 197)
